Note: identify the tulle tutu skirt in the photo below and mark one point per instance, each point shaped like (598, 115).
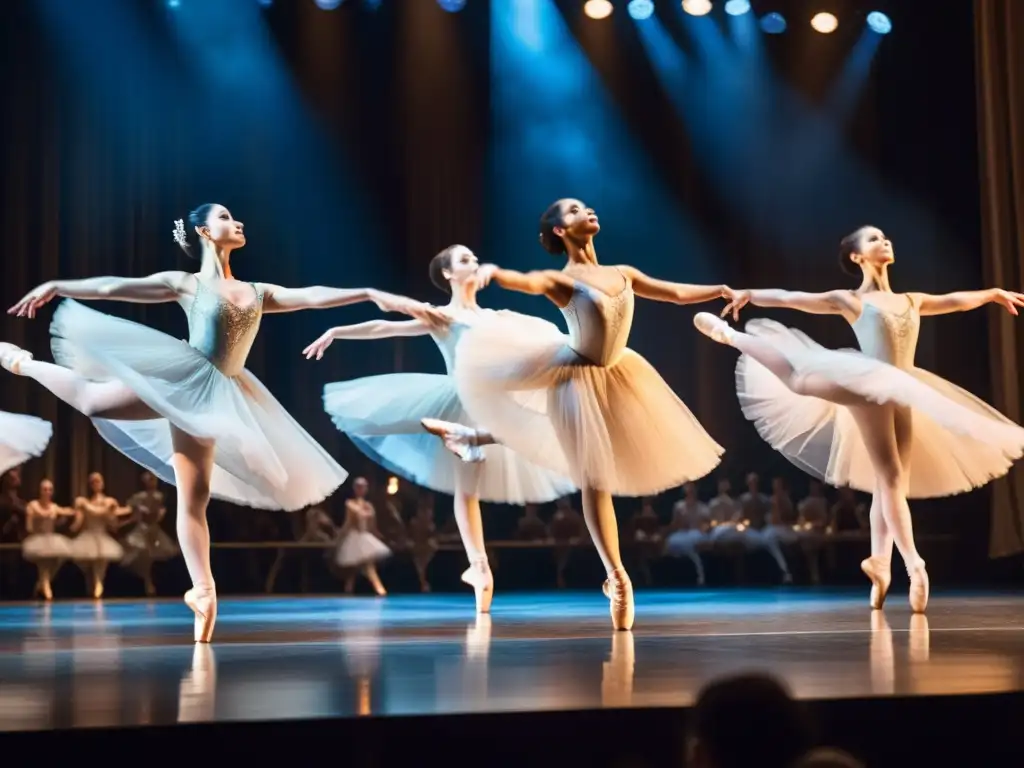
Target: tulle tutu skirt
(684, 542)
(616, 428)
(958, 442)
(90, 546)
(46, 546)
(149, 543)
(263, 458)
(381, 415)
(21, 438)
(361, 548)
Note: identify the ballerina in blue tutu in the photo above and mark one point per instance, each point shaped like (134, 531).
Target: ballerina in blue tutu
(190, 412)
(385, 417)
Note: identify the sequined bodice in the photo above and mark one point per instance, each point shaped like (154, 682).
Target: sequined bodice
(599, 324)
(222, 331)
(96, 517)
(44, 520)
(888, 336)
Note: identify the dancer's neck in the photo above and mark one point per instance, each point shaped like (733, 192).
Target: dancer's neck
(463, 296)
(215, 263)
(581, 253)
(875, 279)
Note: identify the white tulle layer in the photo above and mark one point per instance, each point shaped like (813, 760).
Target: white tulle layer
(90, 546)
(958, 443)
(263, 457)
(46, 546)
(360, 548)
(22, 438)
(616, 428)
(381, 415)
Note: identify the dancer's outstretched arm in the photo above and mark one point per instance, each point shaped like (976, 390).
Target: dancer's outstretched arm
(843, 303)
(155, 289)
(552, 283)
(278, 299)
(373, 329)
(962, 301)
(673, 293)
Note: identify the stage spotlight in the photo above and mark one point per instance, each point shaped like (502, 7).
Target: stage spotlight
(879, 23)
(452, 6)
(825, 23)
(773, 23)
(598, 9)
(697, 7)
(173, 3)
(328, 5)
(737, 7)
(640, 9)
(266, 3)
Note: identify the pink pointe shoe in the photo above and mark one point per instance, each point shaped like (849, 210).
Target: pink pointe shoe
(715, 328)
(458, 439)
(204, 606)
(480, 578)
(880, 574)
(619, 591)
(11, 357)
(919, 588)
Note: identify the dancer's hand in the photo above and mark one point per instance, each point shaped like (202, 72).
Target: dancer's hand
(737, 301)
(484, 275)
(1008, 299)
(319, 346)
(33, 300)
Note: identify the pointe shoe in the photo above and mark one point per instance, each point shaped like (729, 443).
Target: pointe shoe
(480, 578)
(11, 357)
(880, 574)
(457, 438)
(919, 588)
(715, 328)
(97, 590)
(204, 606)
(47, 591)
(619, 591)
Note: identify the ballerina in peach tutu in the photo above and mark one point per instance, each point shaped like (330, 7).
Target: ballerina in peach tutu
(385, 416)
(618, 428)
(870, 419)
(190, 412)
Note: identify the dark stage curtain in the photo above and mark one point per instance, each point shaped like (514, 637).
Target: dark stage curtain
(999, 31)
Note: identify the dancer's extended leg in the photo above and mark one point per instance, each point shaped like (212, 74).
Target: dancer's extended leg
(193, 468)
(599, 514)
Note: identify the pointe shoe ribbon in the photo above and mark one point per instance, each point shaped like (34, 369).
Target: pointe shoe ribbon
(479, 577)
(457, 438)
(204, 606)
(619, 591)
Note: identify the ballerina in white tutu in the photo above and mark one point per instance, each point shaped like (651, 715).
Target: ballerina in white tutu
(146, 542)
(43, 546)
(691, 521)
(385, 417)
(189, 411)
(618, 428)
(22, 438)
(870, 419)
(360, 547)
(94, 549)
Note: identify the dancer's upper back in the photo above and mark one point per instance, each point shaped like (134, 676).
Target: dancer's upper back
(222, 330)
(888, 335)
(599, 323)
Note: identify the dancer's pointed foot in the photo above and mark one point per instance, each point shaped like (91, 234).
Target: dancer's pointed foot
(919, 588)
(97, 590)
(480, 578)
(204, 605)
(11, 357)
(619, 591)
(715, 328)
(47, 591)
(458, 438)
(880, 573)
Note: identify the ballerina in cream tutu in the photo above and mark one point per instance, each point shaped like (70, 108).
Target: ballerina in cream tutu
(189, 411)
(43, 546)
(382, 415)
(360, 547)
(94, 549)
(618, 428)
(22, 438)
(870, 419)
